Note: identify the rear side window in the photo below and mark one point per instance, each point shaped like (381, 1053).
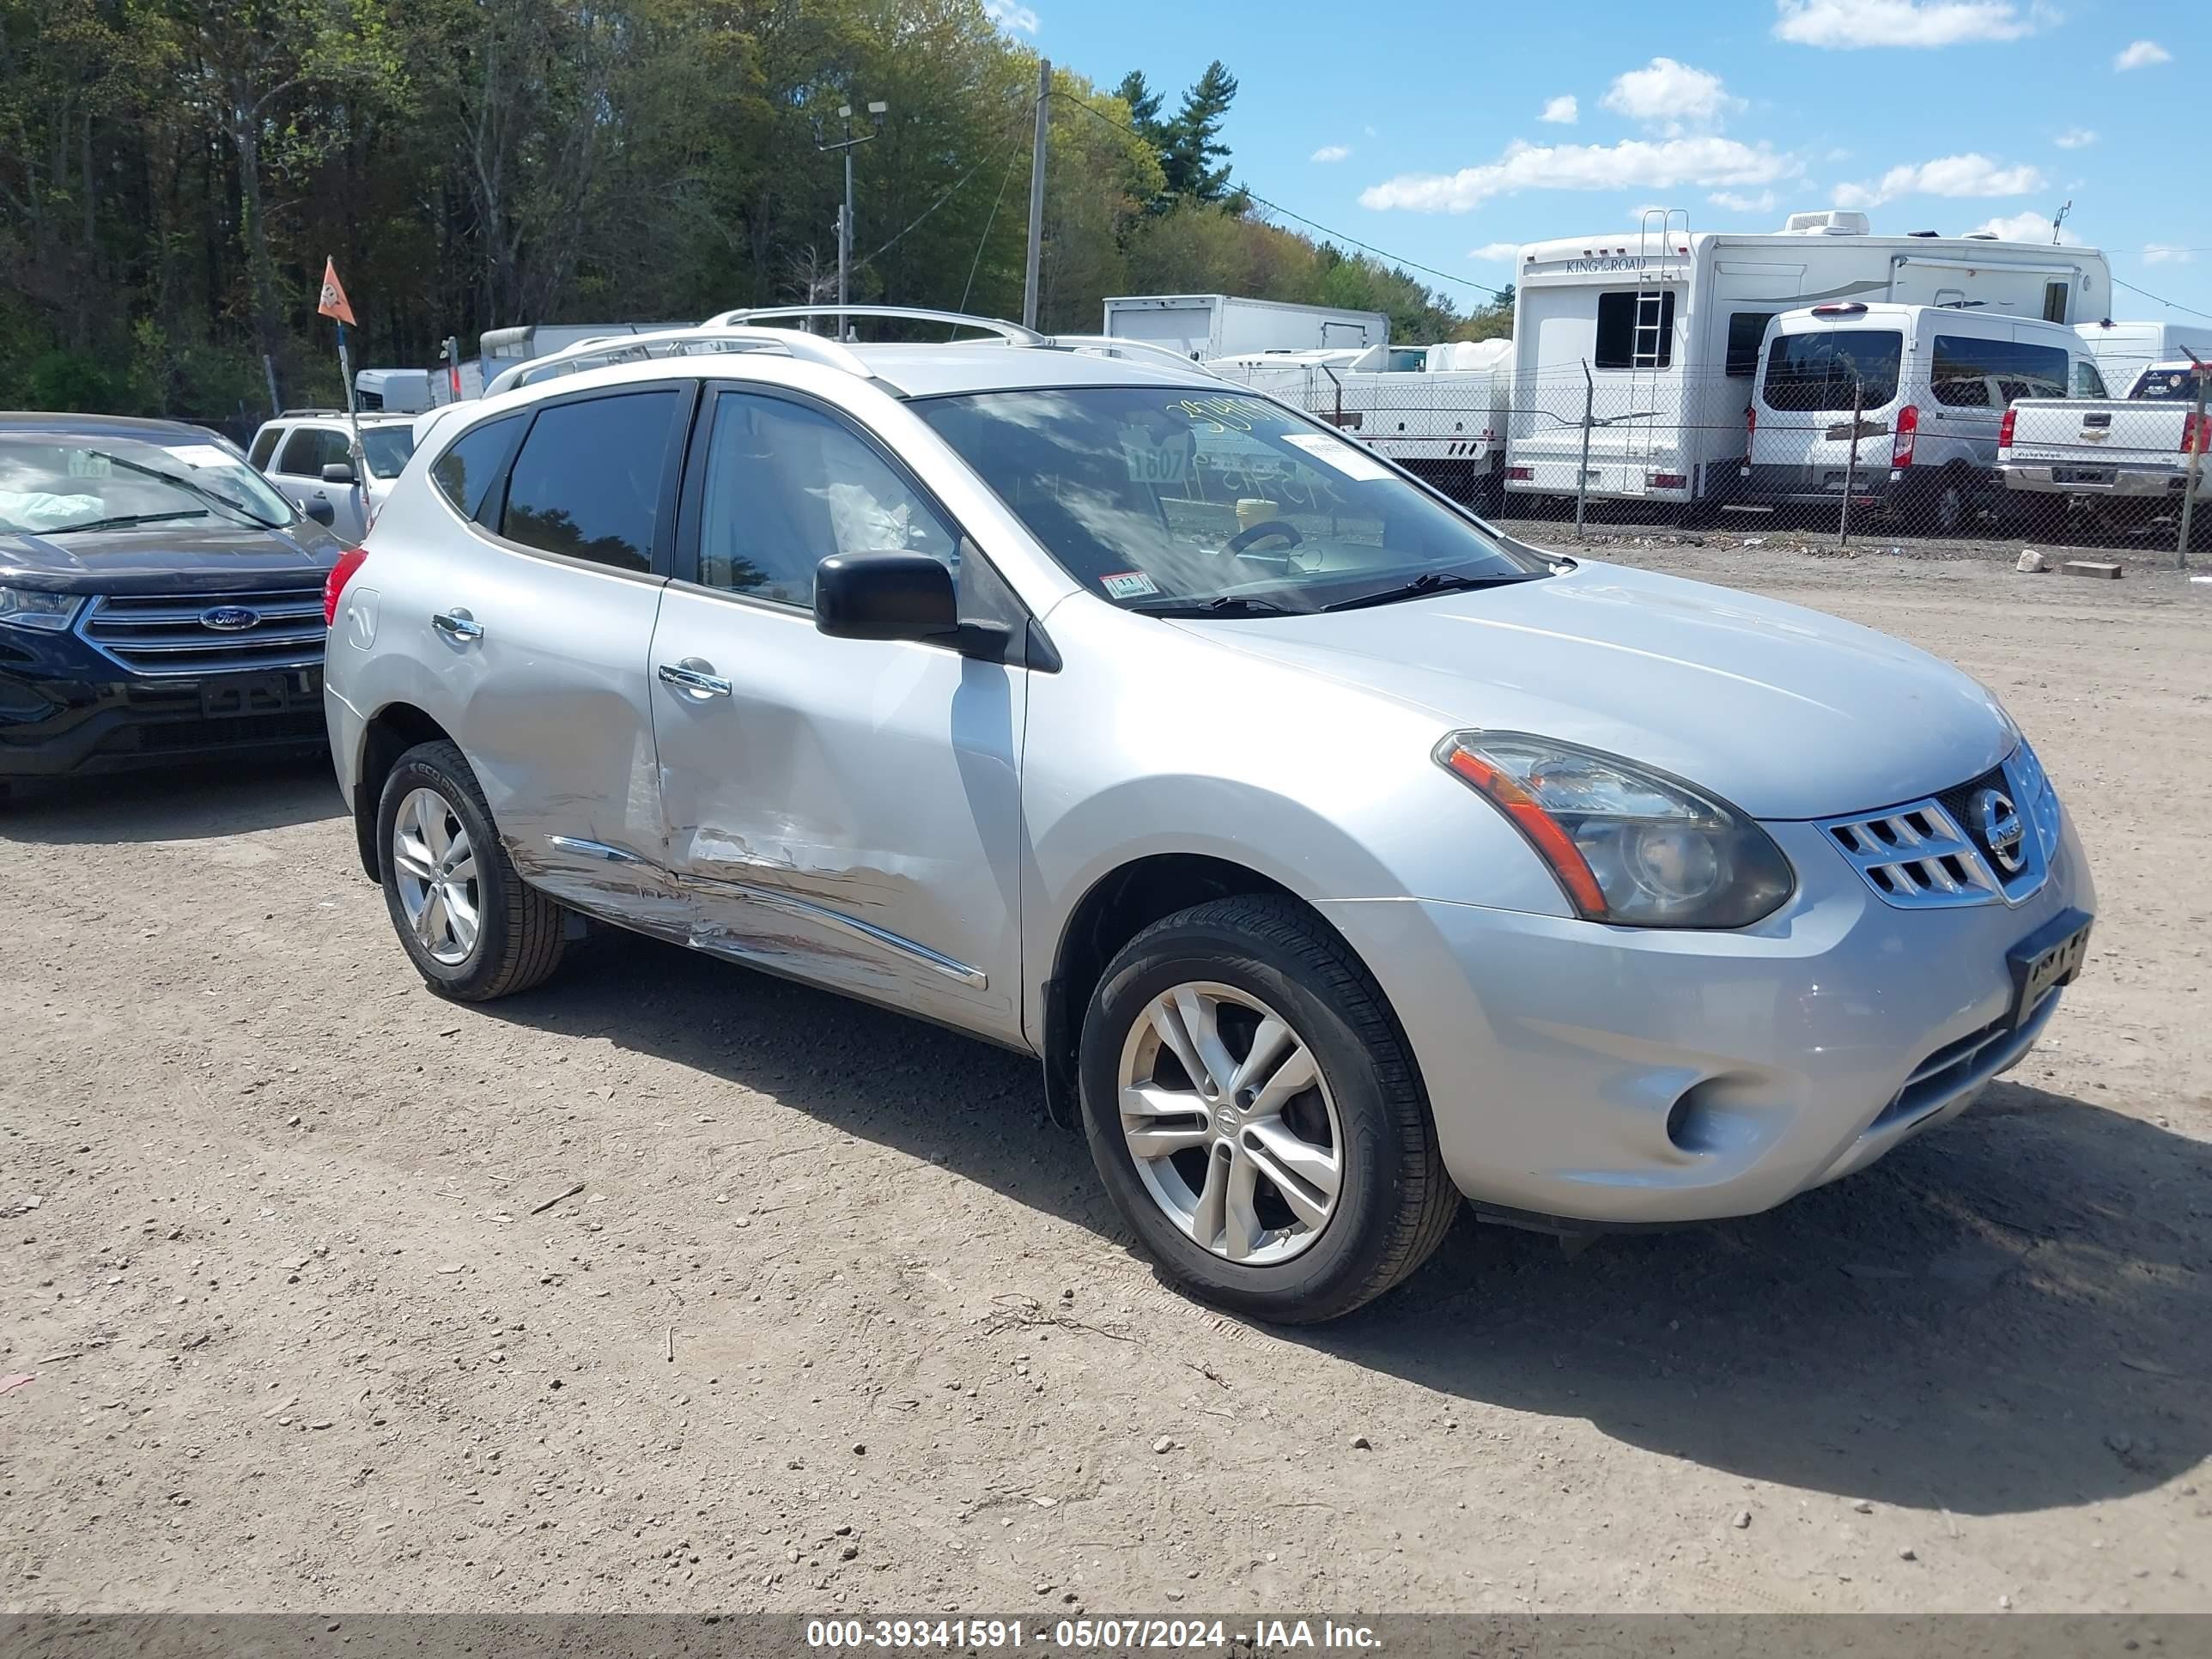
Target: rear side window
(1963, 368)
(467, 469)
(265, 445)
(311, 448)
(587, 481)
(1822, 373)
(1746, 329)
(1635, 329)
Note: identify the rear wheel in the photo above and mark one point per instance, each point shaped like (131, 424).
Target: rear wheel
(473, 928)
(1254, 1114)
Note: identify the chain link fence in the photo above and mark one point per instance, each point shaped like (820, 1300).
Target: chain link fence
(1989, 454)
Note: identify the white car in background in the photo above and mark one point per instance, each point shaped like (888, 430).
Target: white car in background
(307, 454)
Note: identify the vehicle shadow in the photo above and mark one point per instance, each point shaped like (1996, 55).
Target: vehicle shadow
(184, 804)
(2005, 1315)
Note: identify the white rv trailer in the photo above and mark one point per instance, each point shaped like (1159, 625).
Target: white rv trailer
(1202, 326)
(1659, 331)
(2124, 350)
(503, 348)
(1438, 411)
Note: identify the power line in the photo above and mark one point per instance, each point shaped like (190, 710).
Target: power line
(2171, 305)
(1277, 207)
(1012, 150)
(952, 190)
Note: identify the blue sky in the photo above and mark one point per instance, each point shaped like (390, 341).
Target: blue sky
(1448, 133)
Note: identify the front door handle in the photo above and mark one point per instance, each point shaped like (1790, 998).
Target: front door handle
(693, 678)
(457, 624)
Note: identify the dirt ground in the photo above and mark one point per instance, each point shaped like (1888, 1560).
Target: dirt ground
(304, 1333)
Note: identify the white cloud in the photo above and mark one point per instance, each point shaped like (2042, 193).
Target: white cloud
(1330, 153)
(1970, 174)
(2142, 55)
(1494, 252)
(2166, 253)
(1633, 164)
(1010, 15)
(1562, 111)
(1847, 24)
(1736, 201)
(2023, 227)
(2075, 138)
(1671, 98)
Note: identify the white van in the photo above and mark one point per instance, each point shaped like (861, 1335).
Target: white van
(1931, 384)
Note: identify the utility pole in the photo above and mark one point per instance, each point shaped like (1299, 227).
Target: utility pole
(2194, 438)
(845, 213)
(1036, 194)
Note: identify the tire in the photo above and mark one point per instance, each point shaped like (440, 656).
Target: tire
(1938, 504)
(519, 931)
(1393, 1203)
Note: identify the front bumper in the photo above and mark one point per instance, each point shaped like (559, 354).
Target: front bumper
(2089, 481)
(1623, 1076)
(63, 721)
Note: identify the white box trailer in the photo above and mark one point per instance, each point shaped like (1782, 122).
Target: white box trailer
(2124, 350)
(395, 391)
(503, 348)
(1203, 326)
(1659, 330)
(1439, 410)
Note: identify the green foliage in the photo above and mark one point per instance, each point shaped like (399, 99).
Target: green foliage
(174, 172)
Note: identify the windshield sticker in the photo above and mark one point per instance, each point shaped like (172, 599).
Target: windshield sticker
(1335, 453)
(203, 455)
(1152, 463)
(1128, 585)
(88, 463)
(1227, 414)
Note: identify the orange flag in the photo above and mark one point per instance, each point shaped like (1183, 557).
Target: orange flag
(333, 300)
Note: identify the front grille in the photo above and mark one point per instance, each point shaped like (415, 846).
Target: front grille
(166, 633)
(300, 726)
(1937, 852)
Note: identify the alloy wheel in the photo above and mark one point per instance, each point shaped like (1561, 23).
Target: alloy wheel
(435, 867)
(1231, 1123)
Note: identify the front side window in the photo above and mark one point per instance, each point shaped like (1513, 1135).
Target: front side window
(2088, 382)
(587, 481)
(1169, 498)
(1635, 329)
(785, 486)
(1968, 373)
(1825, 373)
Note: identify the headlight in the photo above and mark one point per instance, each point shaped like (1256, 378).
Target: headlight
(1629, 845)
(27, 607)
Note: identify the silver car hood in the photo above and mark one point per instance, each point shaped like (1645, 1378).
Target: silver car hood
(1785, 712)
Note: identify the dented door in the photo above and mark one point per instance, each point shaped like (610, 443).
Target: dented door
(846, 810)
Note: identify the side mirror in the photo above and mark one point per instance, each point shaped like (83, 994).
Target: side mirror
(339, 472)
(322, 512)
(885, 596)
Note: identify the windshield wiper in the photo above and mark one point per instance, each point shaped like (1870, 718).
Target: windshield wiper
(200, 490)
(124, 520)
(1432, 581)
(1229, 605)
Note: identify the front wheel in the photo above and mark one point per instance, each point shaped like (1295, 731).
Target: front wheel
(1255, 1112)
(474, 928)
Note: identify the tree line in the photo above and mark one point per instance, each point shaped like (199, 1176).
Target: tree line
(173, 172)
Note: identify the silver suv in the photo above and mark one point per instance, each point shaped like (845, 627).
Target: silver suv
(1336, 855)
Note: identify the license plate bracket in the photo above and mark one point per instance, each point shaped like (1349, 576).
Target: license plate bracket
(2049, 957)
(245, 694)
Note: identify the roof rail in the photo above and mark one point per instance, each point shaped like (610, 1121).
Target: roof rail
(675, 342)
(1012, 333)
(1113, 345)
(303, 414)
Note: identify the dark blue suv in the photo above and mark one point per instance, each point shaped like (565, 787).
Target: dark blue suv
(159, 602)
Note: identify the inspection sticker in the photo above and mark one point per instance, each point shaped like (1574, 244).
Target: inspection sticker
(1128, 585)
(1353, 462)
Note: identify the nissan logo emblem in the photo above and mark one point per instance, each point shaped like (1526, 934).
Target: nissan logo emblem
(229, 619)
(2000, 830)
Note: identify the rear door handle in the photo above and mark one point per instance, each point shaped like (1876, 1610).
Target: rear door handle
(692, 677)
(457, 624)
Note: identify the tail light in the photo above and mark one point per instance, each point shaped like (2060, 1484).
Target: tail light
(1520, 474)
(1750, 429)
(2195, 433)
(1666, 481)
(1908, 428)
(334, 584)
(2005, 429)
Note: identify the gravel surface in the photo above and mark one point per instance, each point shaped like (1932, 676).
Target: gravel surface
(334, 1294)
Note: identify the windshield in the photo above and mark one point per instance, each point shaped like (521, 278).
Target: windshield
(387, 448)
(2179, 383)
(53, 482)
(1161, 497)
(1821, 374)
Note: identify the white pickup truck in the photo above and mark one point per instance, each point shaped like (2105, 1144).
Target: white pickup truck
(2124, 457)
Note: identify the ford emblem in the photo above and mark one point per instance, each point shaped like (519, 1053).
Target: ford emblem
(229, 619)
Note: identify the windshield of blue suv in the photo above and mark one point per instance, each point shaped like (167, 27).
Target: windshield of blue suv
(57, 483)
(1183, 500)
